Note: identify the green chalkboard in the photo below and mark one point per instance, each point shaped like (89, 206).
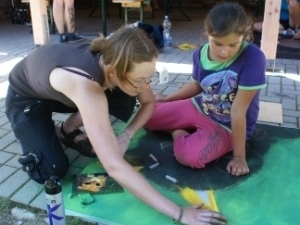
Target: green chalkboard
(269, 195)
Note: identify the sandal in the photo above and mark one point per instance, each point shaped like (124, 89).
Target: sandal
(83, 146)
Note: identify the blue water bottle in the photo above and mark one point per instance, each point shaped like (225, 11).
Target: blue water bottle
(54, 199)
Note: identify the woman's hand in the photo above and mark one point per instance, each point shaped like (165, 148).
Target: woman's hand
(238, 166)
(196, 216)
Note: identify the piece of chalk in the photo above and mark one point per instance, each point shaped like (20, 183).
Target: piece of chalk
(153, 157)
(174, 180)
(153, 166)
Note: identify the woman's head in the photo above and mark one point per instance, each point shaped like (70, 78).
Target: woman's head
(226, 26)
(124, 52)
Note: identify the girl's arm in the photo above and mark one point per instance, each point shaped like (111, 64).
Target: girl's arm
(187, 91)
(143, 114)
(238, 165)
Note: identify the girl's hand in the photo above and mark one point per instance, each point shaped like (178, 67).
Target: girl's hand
(196, 216)
(160, 97)
(238, 166)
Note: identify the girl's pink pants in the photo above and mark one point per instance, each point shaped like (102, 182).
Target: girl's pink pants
(206, 140)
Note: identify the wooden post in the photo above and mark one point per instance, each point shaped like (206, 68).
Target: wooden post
(39, 20)
(269, 39)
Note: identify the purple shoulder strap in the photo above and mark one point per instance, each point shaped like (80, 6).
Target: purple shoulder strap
(79, 73)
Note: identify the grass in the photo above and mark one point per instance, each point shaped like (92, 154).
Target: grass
(7, 205)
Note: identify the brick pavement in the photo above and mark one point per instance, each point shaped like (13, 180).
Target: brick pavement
(16, 42)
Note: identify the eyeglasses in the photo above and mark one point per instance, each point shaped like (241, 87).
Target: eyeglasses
(141, 84)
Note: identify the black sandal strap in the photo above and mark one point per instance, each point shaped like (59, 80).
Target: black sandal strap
(82, 146)
(74, 134)
(70, 136)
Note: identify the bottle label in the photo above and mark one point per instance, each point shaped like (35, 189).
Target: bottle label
(56, 210)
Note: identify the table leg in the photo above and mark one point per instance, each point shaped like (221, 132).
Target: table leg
(167, 8)
(142, 12)
(181, 10)
(104, 16)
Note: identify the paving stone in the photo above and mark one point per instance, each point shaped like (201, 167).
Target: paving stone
(289, 104)
(14, 148)
(287, 61)
(3, 132)
(169, 90)
(6, 171)
(6, 126)
(298, 100)
(13, 162)
(273, 80)
(291, 113)
(288, 87)
(289, 93)
(286, 81)
(273, 88)
(273, 98)
(158, 88)
(28, 192)
(3, 120)
(13, 183)
(7, 139)
(4, 156)
(39, 202)
(289, 125)
(290, 119)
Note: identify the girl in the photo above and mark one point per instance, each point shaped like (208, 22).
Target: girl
(217, 111)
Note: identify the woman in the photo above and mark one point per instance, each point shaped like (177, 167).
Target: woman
(216, 112)
(66, 78)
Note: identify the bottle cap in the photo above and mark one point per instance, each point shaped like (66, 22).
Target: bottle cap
(53, 186)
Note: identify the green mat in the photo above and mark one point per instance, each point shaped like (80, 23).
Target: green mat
(269, 195)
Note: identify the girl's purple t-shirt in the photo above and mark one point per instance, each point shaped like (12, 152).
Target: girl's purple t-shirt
(220, 84)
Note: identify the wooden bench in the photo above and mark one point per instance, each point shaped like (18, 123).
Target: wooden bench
(131, 4)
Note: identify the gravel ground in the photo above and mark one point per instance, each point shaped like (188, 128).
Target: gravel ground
(17, 214)
(21, 216)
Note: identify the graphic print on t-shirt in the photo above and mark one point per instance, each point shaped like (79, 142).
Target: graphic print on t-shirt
(219, 90)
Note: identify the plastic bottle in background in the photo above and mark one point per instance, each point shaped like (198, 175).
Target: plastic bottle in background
(167, 33)
(54, 199)
(164, 75)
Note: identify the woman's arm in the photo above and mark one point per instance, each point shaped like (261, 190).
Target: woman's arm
(91, 102)
(187, 91)
(238, 165)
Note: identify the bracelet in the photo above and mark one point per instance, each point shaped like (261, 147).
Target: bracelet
(127, 135)
(180, 216)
